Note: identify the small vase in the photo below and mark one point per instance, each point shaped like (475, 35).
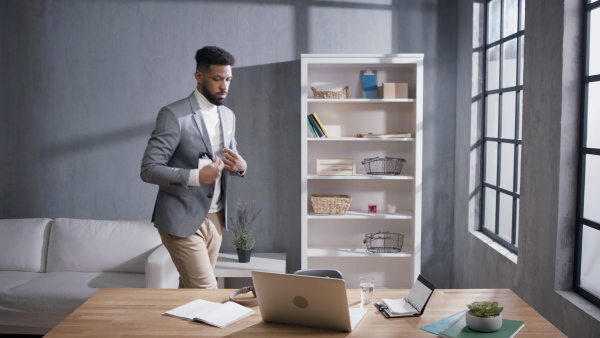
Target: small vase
(244, 255)
(480, 324)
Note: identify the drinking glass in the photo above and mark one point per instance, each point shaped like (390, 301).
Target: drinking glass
(367, 286)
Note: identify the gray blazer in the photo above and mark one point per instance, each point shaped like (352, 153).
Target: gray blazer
(178, 139)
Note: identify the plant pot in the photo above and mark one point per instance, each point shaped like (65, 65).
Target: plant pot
(489, 324)
(244, 255)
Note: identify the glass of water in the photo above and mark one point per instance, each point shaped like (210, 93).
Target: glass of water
(367, 286)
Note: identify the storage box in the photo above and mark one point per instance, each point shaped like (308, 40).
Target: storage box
(330, 204)
(335, 166)
(395, 90)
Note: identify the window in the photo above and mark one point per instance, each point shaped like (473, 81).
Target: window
(503, 92)
(587, 250)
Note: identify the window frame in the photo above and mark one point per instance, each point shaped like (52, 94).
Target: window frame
(517, 141)
(584, 151)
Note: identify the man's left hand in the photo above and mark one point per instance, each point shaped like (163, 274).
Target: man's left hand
(233, 161)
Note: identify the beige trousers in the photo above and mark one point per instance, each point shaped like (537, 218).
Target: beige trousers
(195, 257)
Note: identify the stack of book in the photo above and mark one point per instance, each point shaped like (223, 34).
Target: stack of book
(455, 326)
(316, 127)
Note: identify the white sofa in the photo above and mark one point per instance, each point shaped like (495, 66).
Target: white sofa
(48, 268)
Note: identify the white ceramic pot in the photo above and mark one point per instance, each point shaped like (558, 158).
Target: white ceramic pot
(480, 324)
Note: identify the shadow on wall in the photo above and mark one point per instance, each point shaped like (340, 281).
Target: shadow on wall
(266, 103)
(91, 142)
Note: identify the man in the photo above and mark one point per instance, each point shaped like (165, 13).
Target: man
(190, 155)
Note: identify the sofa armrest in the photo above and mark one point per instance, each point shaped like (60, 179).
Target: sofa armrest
(160, 270)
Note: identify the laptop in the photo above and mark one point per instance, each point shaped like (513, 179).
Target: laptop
(317, 302)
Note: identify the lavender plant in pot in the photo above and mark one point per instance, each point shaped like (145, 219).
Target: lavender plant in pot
(484, 316)
(243, 231)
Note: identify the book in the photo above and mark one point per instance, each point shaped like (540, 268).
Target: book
(312, 130)
(369, 85)
(413, 305)
(315, 126)
(320, 124)
(460, 330)
(215, 314)
(443, 324)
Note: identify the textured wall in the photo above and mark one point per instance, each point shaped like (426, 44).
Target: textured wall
(543, 273)
(82, 82)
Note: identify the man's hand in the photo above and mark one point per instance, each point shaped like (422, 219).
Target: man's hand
(233, 161)
(211, 172)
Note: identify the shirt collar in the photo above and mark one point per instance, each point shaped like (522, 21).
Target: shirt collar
(205, 105)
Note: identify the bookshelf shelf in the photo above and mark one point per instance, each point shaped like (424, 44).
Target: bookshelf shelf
(335, 241)
(360, 139)
(370, 101)
(353, 252)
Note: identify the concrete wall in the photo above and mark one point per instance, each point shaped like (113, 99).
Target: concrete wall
(543, 271)
(82, 82)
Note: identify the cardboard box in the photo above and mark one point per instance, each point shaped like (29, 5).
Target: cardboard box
(335, 166)
(395, 90)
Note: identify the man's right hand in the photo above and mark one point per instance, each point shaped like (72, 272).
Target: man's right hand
(211, 172)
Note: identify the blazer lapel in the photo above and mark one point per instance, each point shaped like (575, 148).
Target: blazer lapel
(200, 122)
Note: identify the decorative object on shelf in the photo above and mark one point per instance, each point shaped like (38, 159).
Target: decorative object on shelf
(243, 231)
(384, 136)
(395, 90)
(343, 94)
(330, 204)
(484, 316)
(335, 166)
(369, 84)
(372, 208)
(391, 208)
(383, 165)
(384, 242)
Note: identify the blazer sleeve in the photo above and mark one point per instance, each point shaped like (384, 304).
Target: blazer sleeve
(162, 144)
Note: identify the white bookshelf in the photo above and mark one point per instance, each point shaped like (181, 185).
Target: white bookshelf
(336, 241)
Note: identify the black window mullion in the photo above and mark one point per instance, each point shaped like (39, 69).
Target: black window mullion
(583, 153)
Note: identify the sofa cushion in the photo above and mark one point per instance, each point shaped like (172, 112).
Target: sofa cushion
(42, 300)
(23, 244)
(95, 246)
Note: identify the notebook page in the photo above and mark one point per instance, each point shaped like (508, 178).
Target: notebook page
(399, 306)
(225, 314)
(193, 309)
(356, 315)
(418, 295)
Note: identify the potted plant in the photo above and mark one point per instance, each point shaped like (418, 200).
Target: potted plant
(243, 235)
(484, 316)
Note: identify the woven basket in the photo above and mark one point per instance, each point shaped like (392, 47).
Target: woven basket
(329, 94)
(330, 204)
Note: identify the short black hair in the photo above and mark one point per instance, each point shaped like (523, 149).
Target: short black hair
(211, 55)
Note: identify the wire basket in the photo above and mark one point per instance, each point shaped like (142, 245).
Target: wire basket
(329, 94)
(384, 242)
(330, 204)
(383, 165)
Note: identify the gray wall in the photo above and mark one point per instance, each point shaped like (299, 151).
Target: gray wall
(543, 273)
(82, 82)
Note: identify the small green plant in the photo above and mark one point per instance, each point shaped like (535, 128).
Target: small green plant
(243, 231)
(484, 309)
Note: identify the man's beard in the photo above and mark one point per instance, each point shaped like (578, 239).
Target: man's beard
(213, 98)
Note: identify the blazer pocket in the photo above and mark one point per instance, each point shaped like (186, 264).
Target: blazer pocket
(171, 190)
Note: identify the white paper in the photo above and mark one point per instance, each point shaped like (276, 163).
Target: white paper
(399, 306)
(356, 315)
(216, 314)
(203, 163)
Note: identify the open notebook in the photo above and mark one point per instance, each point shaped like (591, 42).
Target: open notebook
(411, 306)
(304, 300)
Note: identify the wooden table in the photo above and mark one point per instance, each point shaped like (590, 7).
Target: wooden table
(138, 313)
